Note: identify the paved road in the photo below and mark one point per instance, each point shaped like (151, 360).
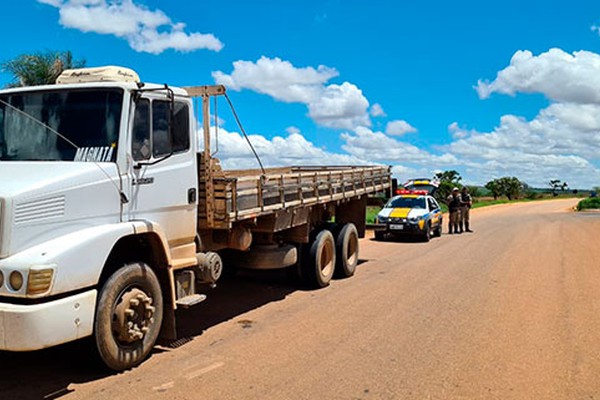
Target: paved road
(511, 311)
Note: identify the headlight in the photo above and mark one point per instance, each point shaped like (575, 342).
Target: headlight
(382, 220)
(40, 279)
(16, 280)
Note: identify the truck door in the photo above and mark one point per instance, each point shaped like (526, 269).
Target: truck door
(163, 175)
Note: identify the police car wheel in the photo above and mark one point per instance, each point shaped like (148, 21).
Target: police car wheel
(427, 233)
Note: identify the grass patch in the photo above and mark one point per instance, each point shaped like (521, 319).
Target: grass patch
(372, 213)
(591, 203)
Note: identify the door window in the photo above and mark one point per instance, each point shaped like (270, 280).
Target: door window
(141, 145)
(151, 134)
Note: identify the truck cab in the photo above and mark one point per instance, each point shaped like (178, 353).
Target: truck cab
(95, 175)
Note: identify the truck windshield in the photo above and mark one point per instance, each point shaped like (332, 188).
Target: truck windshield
(88, 120)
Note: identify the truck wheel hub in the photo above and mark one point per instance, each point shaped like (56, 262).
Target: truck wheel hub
(132, 316)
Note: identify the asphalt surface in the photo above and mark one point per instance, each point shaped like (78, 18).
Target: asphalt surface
(511, 311)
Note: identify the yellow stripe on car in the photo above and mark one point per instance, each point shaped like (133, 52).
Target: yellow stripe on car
(400, 212)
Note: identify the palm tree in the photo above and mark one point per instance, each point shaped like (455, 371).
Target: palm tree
(40, 68)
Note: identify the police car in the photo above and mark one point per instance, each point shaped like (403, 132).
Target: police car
(411, 212)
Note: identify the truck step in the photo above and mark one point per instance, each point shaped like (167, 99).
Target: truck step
(191, 300)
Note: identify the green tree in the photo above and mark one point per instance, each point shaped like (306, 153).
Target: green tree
(40, 68)
(474, 190)
(556, 185)
(494, 187)
(448, 180)
(511, 187)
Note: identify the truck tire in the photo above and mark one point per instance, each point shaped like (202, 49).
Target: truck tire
(379, 235)
(128, 316)
(346, 248)
(320, 263)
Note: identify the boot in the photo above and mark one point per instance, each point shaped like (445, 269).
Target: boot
(460, 227)
(450, 229)
(467, 227)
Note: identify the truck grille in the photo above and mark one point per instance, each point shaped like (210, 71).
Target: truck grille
(40, 209)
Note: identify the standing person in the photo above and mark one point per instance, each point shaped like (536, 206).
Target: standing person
(466, 202)
(453, 202)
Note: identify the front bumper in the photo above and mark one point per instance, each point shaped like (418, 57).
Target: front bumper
(399, 228)
(37, 326)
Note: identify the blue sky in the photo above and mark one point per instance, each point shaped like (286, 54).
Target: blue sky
(487, 88)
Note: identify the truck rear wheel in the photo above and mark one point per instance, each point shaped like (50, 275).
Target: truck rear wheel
(346, 246)
(128, 316)
(320, 263)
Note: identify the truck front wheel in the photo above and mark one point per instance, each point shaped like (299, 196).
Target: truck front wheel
(346, 245)
(320, 263)
(128, 316)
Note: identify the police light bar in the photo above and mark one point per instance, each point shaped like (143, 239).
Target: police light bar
(416, 192)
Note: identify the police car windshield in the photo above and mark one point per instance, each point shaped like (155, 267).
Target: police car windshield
(407, 202)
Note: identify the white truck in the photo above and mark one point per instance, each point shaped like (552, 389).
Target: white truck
(112, 215)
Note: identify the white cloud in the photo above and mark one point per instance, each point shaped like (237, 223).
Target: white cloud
(216, 120)
(145, 30)
(340, 106)
(558, 143)
(376, 110)
(294, 149)
(234, 151)
(292, 130)
(335, 106)
(558, 75)
(459, 132)
(55, 3)
(399, 128)
(367, 144)
(278, 79)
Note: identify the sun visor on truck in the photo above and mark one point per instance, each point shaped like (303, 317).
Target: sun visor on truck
(98, 74)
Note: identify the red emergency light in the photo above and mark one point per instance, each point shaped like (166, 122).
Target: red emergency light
(415, 192)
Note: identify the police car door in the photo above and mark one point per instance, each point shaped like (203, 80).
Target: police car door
(435, 210)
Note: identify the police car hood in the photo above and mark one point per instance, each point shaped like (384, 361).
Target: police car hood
(409, 213)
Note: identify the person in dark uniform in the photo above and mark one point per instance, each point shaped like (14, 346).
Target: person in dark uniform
(466, 202)
(453, 202)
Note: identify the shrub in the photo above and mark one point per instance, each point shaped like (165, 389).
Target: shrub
(589, 203)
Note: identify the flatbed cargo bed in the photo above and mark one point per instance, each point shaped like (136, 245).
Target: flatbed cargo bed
(245, 194)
